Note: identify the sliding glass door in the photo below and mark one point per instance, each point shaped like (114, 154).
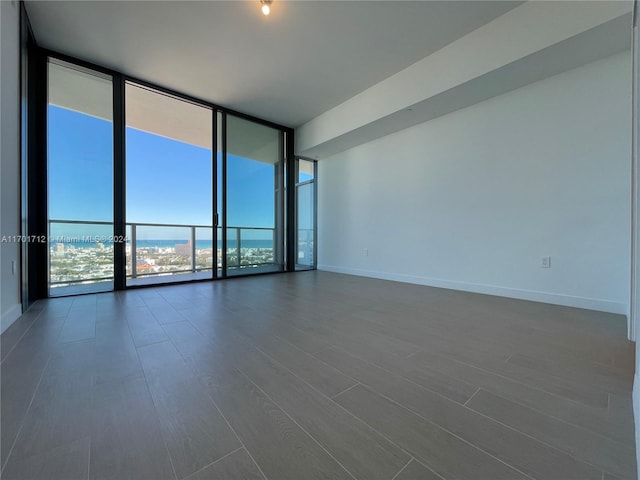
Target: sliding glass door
(254, 197)
(195, 192)
(169, 188)
(176, 232)
(80, 180)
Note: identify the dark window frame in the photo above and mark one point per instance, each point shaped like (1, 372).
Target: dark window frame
(35, 199)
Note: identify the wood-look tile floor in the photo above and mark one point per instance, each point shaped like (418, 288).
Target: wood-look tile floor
(314, 375)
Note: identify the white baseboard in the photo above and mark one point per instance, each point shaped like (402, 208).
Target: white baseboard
(10, 316)
(536, 296)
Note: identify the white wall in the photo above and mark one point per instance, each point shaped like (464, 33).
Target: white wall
(473, 199)
(10, 307)
(533, 41)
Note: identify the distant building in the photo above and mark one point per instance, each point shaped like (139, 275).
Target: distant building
(183, 248)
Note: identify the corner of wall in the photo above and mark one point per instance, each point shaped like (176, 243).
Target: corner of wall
(10, 304)
(9, 317)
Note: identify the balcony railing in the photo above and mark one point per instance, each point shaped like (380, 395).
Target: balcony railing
(306, 247)
(184, 249)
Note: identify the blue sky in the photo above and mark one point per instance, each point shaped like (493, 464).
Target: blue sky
(80, 171)
(167, 181)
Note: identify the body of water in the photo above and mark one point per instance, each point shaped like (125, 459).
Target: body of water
(200, 244)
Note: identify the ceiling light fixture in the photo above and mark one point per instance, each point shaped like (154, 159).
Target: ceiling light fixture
(266, 6)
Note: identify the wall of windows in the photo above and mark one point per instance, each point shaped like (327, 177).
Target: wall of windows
(146, 186)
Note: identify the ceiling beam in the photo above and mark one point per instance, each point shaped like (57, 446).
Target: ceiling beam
(533, 41)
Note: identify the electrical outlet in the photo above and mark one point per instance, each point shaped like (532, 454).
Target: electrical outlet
(545, 262)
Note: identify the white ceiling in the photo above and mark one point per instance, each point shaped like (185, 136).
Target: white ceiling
(305, 58)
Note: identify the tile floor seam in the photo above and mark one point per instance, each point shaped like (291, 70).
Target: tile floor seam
(449, 432)
(212, 400)
(212, 463)
(483, 369)
(333, 397)
(382, 435)
(299, 426)
(237, 436)
(562, 450)
(386, 336)
(473, 395)
(33, 396)
(153, 402)
(444, 356)
(414, 354)
(429, 468)
(383, 335)
(334, 330)
(307, 353)
(620, 386)
(251, 457)
(148, 344)
(401, 470)
(474, 411)
(598, 434)
(381, 367)
(433, 423)
(192, 369)
(22, 336)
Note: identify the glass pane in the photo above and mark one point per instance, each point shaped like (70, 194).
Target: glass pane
(250, 247)
(80, 179)
(79, 262)
(204, 249)
(254, 173)
(169, 185)
(306, 233)
(161, 250)
(305, 170)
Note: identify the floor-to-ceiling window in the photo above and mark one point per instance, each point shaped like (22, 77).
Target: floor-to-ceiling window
(80, 179)
(197, 192)
(305, 214)
(169, 188)
(254, 175)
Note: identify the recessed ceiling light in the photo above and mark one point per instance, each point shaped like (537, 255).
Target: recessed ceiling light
(266, 6)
